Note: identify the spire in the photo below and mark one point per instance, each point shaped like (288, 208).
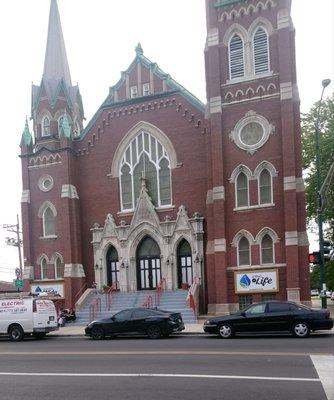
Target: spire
(26, 135)
(56, 65)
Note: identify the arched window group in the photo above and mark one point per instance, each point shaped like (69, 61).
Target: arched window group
(266, 244)
(242, 179)
(238, 56)
(56, 263)
(145, 160)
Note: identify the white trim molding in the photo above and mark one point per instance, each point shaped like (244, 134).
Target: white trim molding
(219, 245)
(293, 183)
(25, 198)
(291, 238)
(303, 239)
(28, 272)
(209, 197)
(286, 91)
(74, 271)
(69, 191)
(218, 193)
(283, 19)
(213, 37)
(215, 105)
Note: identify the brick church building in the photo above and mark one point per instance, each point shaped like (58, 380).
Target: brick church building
(159, 185)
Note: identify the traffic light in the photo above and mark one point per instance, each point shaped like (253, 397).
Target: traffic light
(314, 258)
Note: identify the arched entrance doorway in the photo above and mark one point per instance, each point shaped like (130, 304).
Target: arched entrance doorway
(112, 267)
(148, 264)
(184, 264)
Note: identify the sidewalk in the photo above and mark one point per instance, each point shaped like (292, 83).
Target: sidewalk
(79, 330)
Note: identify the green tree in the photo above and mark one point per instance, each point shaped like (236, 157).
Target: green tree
(326, 129)
(329, 276)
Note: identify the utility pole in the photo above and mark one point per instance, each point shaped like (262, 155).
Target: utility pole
(16, 242)
(325, 83)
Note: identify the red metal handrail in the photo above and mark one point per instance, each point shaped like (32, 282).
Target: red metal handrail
(113, 288)
(96, 304)
(149, 302)
(80, 292)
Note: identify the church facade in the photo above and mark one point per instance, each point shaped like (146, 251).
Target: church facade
(159, 186)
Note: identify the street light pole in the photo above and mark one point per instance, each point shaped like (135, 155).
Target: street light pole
(325, 83)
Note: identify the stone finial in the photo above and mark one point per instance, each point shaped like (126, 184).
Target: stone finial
(139, 50)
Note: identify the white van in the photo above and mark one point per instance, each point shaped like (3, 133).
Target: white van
(27, 315)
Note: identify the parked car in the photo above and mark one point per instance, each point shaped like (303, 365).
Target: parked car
(332, 296)
(272, 316)
(314, 292)
(154, 323)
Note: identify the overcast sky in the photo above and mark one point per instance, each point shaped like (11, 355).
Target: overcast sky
(100, 38)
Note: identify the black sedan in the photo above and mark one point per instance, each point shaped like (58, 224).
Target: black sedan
(273, 316)
(154, 323)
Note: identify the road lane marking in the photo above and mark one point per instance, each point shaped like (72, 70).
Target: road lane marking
(145, 375)
(324, 366)
(156, 353)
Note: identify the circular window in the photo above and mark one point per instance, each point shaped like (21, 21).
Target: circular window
(251, 132)
(45, 183)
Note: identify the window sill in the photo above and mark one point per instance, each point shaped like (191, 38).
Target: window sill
(48, 280)
(48, 237)
(256, 207)
(126, 213)
(255, 267)
(248, 78)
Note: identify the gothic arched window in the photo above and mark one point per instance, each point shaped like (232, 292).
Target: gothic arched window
(49, 227)
(44, 268)
(145, 159)
(244, 251)
(267, 250)
(265, 187)
(261, 51)
(242, 197)
(236, 56)
(59, 270)
(45, 126)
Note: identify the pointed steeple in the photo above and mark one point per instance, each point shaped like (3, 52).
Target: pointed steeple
(26, 139)
(56, 66)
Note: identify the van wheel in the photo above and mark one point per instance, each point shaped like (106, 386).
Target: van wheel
(16, 333)
(39, 335)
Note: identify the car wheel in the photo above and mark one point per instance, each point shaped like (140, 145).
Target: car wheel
(97, 333)
(300, 330)
(153, 332)
(225, 331)
(16, 333)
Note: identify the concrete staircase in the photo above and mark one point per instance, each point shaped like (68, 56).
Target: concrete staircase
(170, 300)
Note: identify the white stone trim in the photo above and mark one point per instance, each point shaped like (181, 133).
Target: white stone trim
(286, 91)
(209, 196)
(303, 239)
(74, 271)
(283, 19)
(213, 37)
(300, 185)
(291, 238)
(218, 193)
(28, 272)
(25, 198)
(219, 245)
(252, 99)
(41, 182)
(69, 191)
(293, 183)
(255, 207)
(266, 231)
(210, 247)
(293, 294)
(255, 267)
(215, 104)
(239, 235)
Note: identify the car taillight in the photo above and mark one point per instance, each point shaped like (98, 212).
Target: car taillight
(34, 306)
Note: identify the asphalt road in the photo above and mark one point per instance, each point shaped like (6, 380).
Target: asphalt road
(192, 367)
